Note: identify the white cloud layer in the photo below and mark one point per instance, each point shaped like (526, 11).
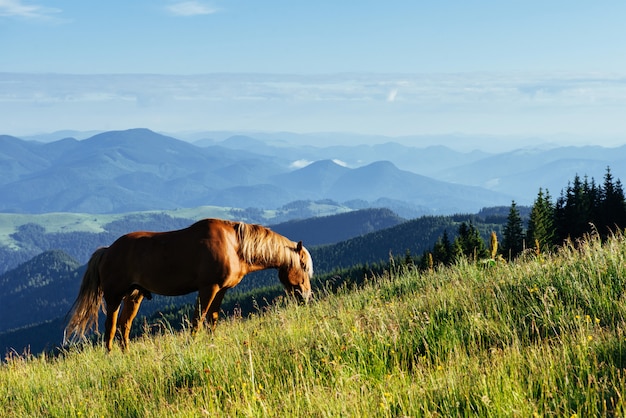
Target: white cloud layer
(190, 8)
(17, 8)
(469, 103)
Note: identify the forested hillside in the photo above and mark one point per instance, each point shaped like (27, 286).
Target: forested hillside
(413, 237)
(39, 290)
(331, 229)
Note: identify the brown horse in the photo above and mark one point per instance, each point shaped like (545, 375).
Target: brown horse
(210, 257)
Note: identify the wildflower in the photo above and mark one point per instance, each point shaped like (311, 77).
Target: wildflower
(493, 245)
(597, 320)
(589, 338)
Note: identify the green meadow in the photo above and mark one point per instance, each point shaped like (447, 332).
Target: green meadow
(541, 336)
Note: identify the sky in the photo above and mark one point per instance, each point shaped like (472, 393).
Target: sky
(395, 68)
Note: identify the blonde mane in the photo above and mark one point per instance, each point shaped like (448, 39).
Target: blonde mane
(262, 246)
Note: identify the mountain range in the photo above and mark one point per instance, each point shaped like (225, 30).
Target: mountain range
(133, 170)
(138, 169)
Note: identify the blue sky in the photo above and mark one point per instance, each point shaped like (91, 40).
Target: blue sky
(374, 67)
(196, 37)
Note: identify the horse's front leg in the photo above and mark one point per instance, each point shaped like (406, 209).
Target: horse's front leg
(206, 296)
(129, 312)
(214, 308)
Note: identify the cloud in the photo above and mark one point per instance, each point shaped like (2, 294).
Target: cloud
(190, 8)
(340, 162)
(17, 8)
(434, 103)
(300, 164)
(391, 97)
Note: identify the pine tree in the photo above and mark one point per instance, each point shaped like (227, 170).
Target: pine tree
(574, 210)
(469, 243)
(612, 207)
(541, 225)
(513, 236)
(443, 252)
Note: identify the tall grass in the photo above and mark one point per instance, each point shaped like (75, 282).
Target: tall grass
(544, 336)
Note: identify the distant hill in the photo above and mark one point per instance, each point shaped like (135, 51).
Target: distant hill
(524, 171)
(38, 290)
(336, 228)
(383, 180)
(116, 171)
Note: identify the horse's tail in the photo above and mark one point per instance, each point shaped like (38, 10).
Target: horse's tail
(84, 312)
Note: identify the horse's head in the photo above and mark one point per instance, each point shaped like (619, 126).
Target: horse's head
(296, 278)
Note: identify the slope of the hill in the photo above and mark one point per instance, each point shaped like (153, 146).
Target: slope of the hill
(543, 336)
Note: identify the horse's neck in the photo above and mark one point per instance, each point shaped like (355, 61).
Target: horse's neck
(265, 262)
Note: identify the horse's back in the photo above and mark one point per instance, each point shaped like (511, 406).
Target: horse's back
(173, 262)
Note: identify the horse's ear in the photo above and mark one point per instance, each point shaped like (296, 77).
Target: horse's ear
(299, 247)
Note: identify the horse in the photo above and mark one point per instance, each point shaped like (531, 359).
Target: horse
(210, 257)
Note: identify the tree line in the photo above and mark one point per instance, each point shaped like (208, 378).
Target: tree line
(583, 207)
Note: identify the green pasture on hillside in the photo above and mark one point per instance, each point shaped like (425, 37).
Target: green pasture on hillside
(543, 336)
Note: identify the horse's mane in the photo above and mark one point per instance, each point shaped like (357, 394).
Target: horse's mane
(261, 245)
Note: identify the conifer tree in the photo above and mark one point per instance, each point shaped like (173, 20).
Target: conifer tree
(541, 225)
(469, 243)
(573, 210)
(612, 207)
(443, 252)
(513, 235)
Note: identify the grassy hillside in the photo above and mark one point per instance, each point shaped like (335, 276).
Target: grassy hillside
(541, 337)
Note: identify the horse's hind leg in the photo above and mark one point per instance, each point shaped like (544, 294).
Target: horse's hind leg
(110, 325)
(132, 302)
